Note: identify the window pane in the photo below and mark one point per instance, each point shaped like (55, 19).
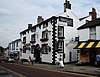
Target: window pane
(60, 31)
(93, 33)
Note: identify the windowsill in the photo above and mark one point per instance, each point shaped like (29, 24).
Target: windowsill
(44, 53)
(32, 41)
(44, 39)
(61, 37)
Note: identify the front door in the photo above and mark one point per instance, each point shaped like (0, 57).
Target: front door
(92, 56)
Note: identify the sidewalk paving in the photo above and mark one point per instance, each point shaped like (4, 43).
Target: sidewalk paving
(88, 70)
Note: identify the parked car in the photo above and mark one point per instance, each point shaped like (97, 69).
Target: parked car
(9, 59)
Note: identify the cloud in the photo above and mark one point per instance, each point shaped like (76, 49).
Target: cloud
(16, 14)
(3, 12)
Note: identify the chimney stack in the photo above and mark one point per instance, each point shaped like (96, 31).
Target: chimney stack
(67, 5)
(93, 14)
(29, 26)
(40, 19)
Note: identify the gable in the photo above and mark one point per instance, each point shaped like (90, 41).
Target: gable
(90, 24)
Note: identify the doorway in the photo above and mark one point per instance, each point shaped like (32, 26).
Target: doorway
(92, 56)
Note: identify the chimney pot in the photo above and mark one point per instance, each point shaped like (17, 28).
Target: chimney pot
(93, 14)
(67, 5)
(40, 19)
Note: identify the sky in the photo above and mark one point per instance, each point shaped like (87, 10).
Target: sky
(15, 15)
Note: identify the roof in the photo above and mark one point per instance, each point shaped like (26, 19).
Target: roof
(53, 17)
(83, 18)
(92, 23)
(17, 40)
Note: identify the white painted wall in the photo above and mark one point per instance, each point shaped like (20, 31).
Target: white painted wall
(26, 55)
(70, 33)
(48, 57)
(69, 48)
(83, 34)
(98, 32)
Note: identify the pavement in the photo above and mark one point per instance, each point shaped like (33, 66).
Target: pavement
(72, 68)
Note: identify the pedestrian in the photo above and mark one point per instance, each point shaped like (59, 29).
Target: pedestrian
(37, 53)
(59, 62)
(98, 59)
(31, 58)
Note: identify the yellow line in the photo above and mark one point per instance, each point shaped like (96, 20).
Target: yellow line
(57, 71)
(20, 75)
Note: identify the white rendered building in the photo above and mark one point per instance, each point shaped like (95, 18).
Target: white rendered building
(89, 39)
(56, 36)
(14, 47)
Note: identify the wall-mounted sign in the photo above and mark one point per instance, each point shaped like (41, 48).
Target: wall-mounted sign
(69, 21)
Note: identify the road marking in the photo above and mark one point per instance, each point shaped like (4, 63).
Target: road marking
(20, 75)
(57, 71)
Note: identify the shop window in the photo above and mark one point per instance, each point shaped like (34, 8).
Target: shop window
(84, 51)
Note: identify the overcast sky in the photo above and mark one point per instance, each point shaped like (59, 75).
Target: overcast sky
(16, 14)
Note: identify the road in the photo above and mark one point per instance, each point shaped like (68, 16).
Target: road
(6, 73)
(31, 71)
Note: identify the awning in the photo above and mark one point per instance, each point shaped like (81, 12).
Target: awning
(88, 44)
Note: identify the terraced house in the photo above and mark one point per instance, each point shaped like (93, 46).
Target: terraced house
(14, 48)
(89, 43)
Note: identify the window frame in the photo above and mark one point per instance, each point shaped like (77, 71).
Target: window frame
(60, 48)
(33, 37)
(45, 34)
(59, 31)
(92, 32)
